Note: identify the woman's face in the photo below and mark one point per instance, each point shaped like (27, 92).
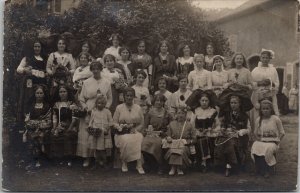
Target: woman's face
(218, 63)
(183, 83)
(101, 104)
(204, 102)
(63, 94)
(85, 48)
(39, 94)
(181, 115)
(61, 45)
(110, 63)
(83, 60)
(158, 103)
(115, 41)
(37, 48)
(164, 48)
(141, 48)
(239, 60)
(140, 79)
(234, 104)
(199, 62)
(186, 51)
(265, 58)
(162, 85)
(209, 50)
(125, 55)
(129, 97)
(266, 110)
(96, 71)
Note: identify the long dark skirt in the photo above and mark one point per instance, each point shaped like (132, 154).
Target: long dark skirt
(38, 143)
(232, 152)
(64, 144)
(205, 148)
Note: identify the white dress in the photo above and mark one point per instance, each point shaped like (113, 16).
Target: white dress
(64, 59)
(199, 79)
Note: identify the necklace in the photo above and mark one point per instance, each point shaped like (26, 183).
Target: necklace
(38, 105)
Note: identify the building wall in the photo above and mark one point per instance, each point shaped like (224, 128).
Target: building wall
(271, 28)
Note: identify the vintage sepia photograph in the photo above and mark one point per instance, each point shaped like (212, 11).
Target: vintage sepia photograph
(150, 95)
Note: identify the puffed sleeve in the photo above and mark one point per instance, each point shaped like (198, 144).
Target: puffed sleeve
(249, 79)
(49, 64)
(190, 80)
(117, 115)
(209, 82)
(72, 64)
(279, 127)
(21, 66)
(82, 96)
(109, 96)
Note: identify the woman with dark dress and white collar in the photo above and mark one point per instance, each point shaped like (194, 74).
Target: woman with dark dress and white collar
(33, 69)
(165, 66)
(185, 62)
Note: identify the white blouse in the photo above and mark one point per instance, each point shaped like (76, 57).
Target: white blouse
(219, 78)
(260, 73)
(64, 59)
(199, 79)
(82, 73)
(110, 76)
(113, 51)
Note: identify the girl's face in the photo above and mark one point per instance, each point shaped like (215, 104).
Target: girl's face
(183, 83)
(209, 50)
(239, 60)
(204, 102)
(110, 63)
(85, 48)
(128, 97)
(39, 94)
(96, 71)
(61, 45)
(83, 60)
(181, 115)
(227, 63)
(162, 85)
(63, 94)
(125, 55)
(186, 51)
(101, 104)
(141, 48)
(164, 48)
(115, 41)
(234, 104)
(199, 62)
(158, 103)
(265, 58)
(140, 79)
(37, 48)
(218, 63)
(266, 110)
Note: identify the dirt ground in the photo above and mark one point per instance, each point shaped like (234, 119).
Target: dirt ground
(62, 178)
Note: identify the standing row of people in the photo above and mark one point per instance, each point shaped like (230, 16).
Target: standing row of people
(106, 108)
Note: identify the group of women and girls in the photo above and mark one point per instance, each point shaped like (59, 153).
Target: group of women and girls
(201, 113)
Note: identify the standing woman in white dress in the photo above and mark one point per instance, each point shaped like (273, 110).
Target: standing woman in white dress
(115, 40)
(265, 82)
(91, 88)
(209, 57)
(219, 77)
(185, 62)
(199, 78)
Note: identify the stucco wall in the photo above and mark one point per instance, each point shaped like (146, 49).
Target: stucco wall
(271, 28)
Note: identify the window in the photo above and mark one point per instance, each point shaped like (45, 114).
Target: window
(57, 6)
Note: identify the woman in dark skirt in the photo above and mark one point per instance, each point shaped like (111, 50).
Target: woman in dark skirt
(232, 144)
(38, 125)
(63, 138)
(33, 71)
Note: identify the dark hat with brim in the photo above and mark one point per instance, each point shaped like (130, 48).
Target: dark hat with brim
(193, 100)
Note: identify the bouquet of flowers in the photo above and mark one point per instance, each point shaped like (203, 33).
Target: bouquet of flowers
(96, 132)
(124, 128)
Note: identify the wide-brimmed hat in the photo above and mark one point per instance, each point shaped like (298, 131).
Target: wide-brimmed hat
(242, 93)
(193, 100)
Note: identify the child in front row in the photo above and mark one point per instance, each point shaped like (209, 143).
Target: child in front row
(99, 139)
